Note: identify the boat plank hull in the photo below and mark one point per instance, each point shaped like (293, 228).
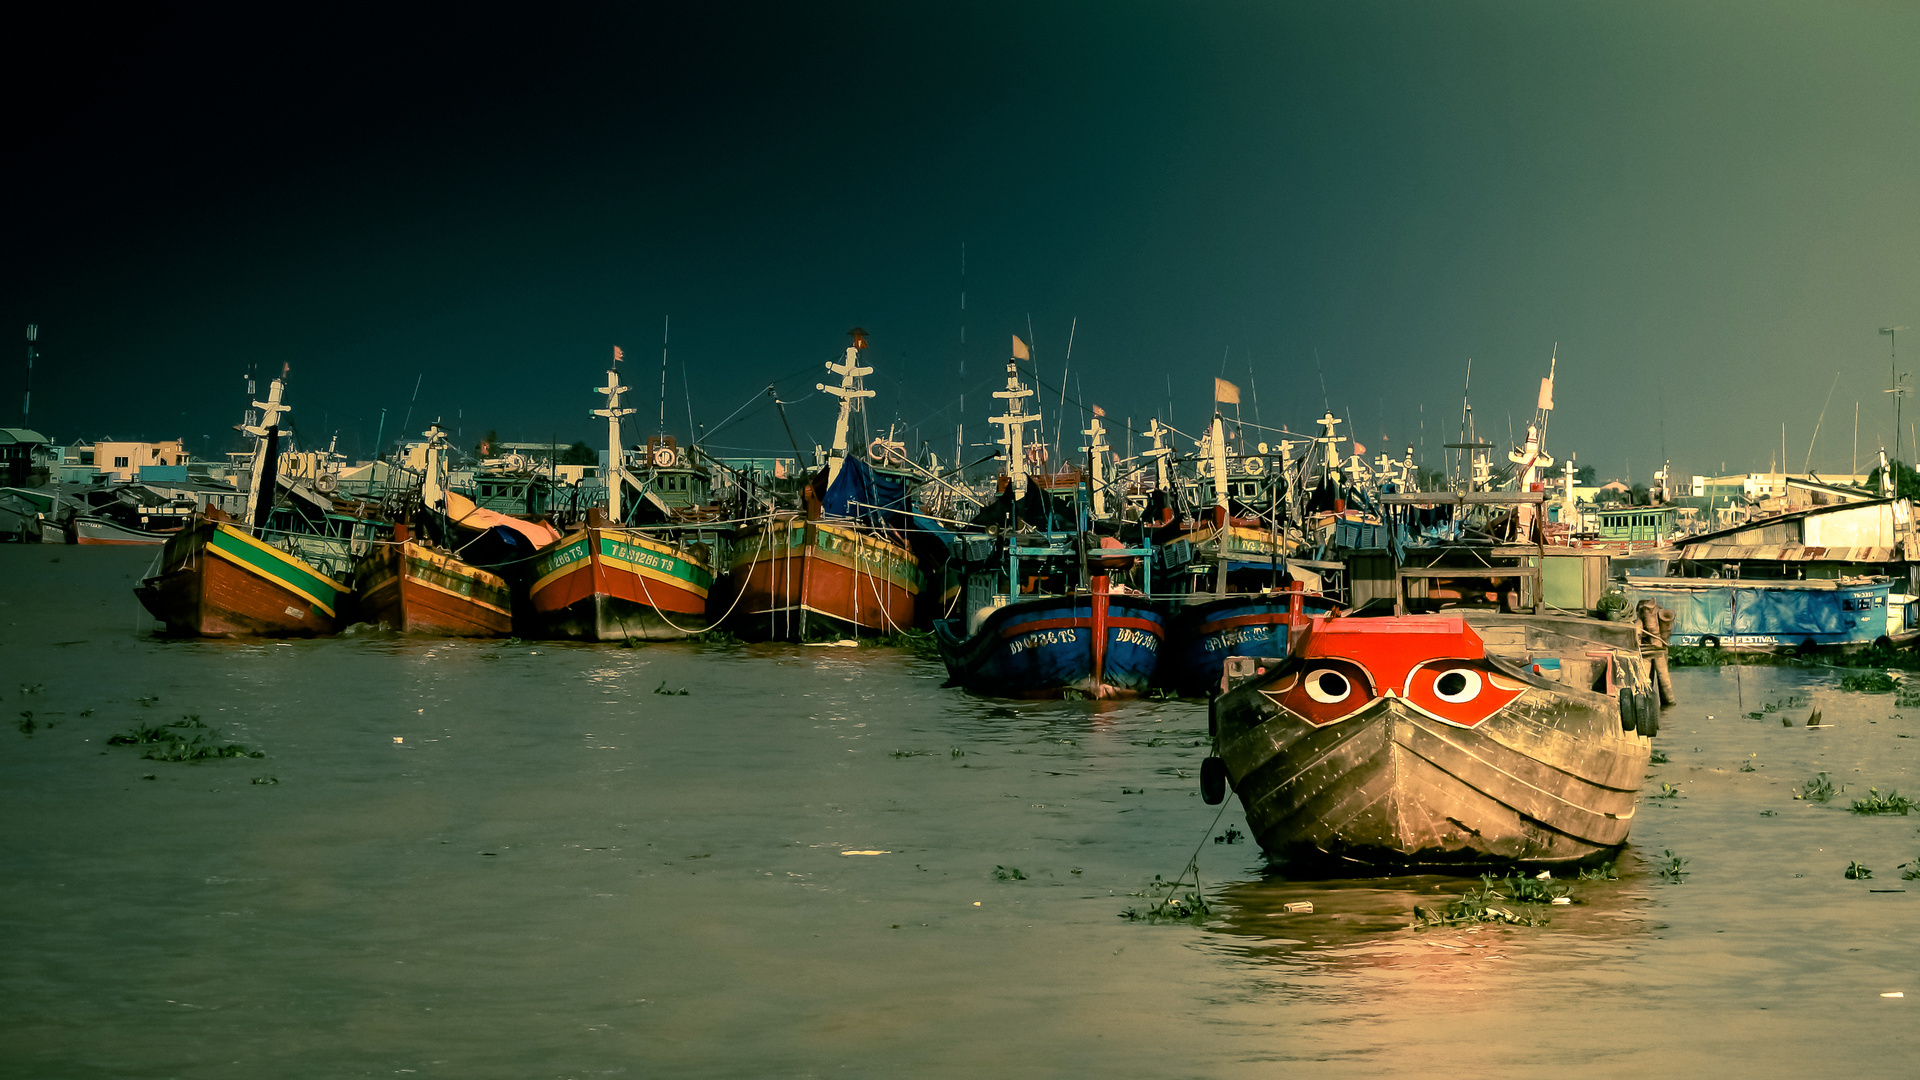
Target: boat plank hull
(415, 590)
(1046, 649)
(1550, 775)
(610, 584)
(217, 582)
(796, 579)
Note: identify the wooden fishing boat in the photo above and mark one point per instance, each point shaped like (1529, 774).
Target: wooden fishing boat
(98, 529)
(795, 579)
(1094, 644)
(1441, 740)
(414, 589)
(217, 581)
(838, 568)
(1201, 636)
(604, 583)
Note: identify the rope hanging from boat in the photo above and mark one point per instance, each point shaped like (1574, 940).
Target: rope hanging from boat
(737, 594)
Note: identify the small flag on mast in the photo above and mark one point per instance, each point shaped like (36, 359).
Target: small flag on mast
(1020, 349)
(1225, 392)
(1546, 393)
(617, 354)
(1098, 411)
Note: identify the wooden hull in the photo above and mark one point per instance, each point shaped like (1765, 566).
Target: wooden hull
(216, 581)
(794, 579)
(1098, 646)
(414, 589)
(99, 530)
(613, 584)
(1202, 636)
(1549, 775)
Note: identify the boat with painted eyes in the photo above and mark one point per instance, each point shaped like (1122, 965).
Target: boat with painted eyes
(1457, 740)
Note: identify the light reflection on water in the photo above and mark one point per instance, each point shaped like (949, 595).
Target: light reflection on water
(559, 872)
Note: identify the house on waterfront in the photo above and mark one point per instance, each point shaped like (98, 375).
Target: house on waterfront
(23, 451)
(122, 461)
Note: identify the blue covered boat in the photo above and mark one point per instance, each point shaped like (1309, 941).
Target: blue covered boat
(1202, 636)
(1745, 615)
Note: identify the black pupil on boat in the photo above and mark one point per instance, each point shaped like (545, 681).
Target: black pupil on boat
(1452, 684)
(1332, 685)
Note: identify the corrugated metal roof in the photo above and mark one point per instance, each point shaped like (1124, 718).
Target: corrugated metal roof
(1787, 553)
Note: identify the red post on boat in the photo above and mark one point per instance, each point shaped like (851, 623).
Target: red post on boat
(1296, 613)
(1099, 597)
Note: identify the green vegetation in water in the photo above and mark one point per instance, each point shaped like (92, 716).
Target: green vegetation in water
(664, 692)
(1818, 788)
(1869, 682)
(1857, 872)
(1875, 803)
(954, 751)
(1674, 871)
(1603, 872)
(165, 742)
(717, 637)
(918, 642)
(1659, 758)
(1909, 871)
(1667, 791)
(1232, 836)
(1495, 901)
(1008, 873)
(911, 753)
(1746, 766)
(148, 701)
(1769, 813)
(27, 724)
(266, 781)
(1697, 656)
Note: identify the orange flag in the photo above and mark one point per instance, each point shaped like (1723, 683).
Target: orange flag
(616, 354)
(1225, 392)
(1020, 349)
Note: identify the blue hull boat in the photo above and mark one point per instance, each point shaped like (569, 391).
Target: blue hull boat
(1098, 645)
(1202, 636)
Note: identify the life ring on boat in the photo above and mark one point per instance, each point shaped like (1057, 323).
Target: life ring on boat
(1213, 781)
(326, 483)
(1254, 466)
(1708, 641)
(1629, 710)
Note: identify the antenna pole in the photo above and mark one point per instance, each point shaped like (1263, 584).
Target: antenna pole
(26, 404)
(668, 325)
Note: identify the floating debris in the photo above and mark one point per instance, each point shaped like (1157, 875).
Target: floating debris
(1857, 872)
(1875, 803)
(1869, 682)
(662, 690)
(1232, 836)
(1818, 789)
(1008, 873)
(1298, 907)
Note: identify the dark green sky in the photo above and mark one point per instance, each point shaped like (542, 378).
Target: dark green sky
(1710, 207)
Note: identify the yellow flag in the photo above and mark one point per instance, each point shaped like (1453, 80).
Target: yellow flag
(1019, 349)
(1225, 392)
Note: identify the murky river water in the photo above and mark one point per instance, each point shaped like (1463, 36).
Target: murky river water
(520, 860)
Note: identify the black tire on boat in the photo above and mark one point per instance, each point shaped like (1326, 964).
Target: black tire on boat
(1629, 710)
(1709, 642)
(1213, 781)
(1648, 722)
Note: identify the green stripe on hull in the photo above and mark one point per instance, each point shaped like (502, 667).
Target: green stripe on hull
(277, 567)
(671, 564)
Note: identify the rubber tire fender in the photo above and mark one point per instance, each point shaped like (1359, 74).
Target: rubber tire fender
(1708, 641)
(1648, 722)
(1629, 710)
(1213, 781)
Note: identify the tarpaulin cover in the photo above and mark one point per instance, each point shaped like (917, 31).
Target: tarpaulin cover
(467, 514)
(871, 498)
(1739, 609)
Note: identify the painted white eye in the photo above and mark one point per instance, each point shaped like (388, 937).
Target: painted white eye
(1457, 684)
(1327, 686)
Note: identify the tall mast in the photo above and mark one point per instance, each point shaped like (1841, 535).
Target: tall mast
(1160, 453)
(265, 432)
(849, 391)
(1096, 451)
(616, 457)
(1217, 455)
(26, 403)
(1013, 424)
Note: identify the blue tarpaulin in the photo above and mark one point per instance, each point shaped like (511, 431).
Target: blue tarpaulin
(1791, 613)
